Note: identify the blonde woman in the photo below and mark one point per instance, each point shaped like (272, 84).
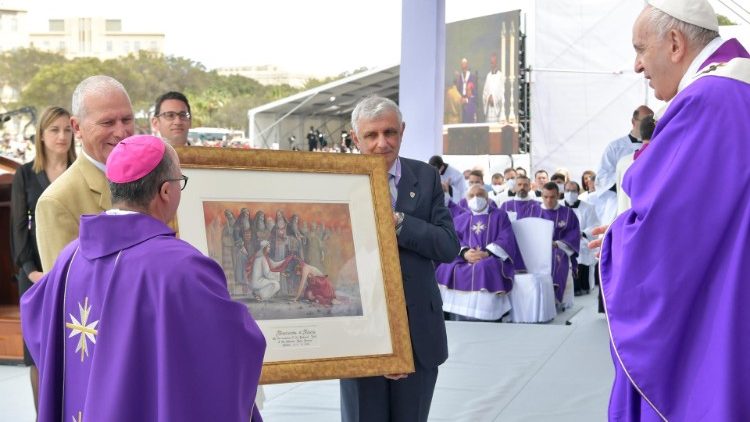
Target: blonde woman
(54, 153)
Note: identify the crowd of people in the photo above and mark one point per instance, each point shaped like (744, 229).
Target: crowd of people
(117, 311)
(265, 256)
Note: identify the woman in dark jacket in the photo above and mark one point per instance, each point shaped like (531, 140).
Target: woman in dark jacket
(55, 151)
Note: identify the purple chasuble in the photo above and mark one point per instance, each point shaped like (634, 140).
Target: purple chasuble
(490, 274)
(568, 231)
(455, 210)
(523, 209)
(675, 267)
(132, 324)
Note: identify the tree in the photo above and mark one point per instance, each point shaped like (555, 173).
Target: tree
(18, 66)
(724, 21)
(49, 79)
(54, 84)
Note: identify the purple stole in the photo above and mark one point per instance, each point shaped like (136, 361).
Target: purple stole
(567, 230)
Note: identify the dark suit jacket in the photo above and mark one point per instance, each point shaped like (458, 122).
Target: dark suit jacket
(427, 236)
(27, 188)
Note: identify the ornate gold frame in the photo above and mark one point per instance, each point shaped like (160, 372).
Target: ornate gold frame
(401, 358)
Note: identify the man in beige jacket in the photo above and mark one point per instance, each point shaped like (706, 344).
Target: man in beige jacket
(102, 117)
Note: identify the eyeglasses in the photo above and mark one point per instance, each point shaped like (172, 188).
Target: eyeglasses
(183, 181)
(171, 115)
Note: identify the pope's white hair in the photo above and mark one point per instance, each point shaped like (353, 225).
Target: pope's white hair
(91, 85)
(662, 23)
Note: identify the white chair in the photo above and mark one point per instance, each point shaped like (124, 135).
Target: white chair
(533, 295)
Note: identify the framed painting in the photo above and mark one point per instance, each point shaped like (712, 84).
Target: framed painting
(307, 243)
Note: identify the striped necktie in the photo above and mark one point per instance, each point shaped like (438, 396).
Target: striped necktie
(394, 191)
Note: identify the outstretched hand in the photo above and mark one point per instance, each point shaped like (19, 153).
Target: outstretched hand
(597, 243)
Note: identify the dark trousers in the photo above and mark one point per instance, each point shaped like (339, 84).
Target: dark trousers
(596, 281)
(581, 282)
(378, 399)
(24, 284)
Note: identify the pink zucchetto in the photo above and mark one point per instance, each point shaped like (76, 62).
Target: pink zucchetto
(134, 157)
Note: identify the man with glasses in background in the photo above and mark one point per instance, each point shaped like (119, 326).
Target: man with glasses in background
(172, 119)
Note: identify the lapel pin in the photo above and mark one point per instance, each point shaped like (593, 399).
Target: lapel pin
(412, 194)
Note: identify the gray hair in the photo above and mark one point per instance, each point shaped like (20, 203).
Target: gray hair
(139, 193)
(372, 107)
(662, 23)
(98, 84)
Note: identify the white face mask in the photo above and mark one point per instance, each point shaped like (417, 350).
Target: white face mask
(477, 203)
(498, 188)
(511, 183)
(571, 197)
(560, 187)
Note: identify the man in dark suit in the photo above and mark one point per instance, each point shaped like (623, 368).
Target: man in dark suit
(425, 234)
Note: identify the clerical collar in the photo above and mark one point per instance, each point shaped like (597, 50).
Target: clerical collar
(528, 198)
(553, 209)
(117, 211)
(707, 51)
(98, 165)
(633, 139)
(486, 210)
(573, 205)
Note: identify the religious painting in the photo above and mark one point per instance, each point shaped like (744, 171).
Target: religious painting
(286, 260)
(306, 242)
(482, 85)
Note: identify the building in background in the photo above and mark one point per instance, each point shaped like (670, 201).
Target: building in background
(269, 75)
(14, 32)
(94, 37)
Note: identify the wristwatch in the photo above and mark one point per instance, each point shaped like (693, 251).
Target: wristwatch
(399, 219)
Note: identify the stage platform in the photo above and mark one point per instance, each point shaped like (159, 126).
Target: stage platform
(496, 372)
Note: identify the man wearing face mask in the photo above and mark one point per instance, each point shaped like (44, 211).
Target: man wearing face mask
(476, 178)
(559, 179)
(475, 285)
(510, 179)
(587, 220)
(500, 189)
(566, 237)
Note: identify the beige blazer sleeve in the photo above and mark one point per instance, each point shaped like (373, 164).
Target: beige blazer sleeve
(82, 189)
(56, 226)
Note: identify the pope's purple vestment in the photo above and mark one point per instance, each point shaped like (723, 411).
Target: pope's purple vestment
(567, 230)
(132, 324)
(491, 274)
(675, 267)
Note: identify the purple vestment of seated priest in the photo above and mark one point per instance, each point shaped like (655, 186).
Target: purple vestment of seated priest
(455, 210)
(521, 208)
(492, 274)
(567, 231)
(132, 324)
(675, 266)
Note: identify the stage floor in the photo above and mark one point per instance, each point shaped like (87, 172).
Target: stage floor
(496, 372)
